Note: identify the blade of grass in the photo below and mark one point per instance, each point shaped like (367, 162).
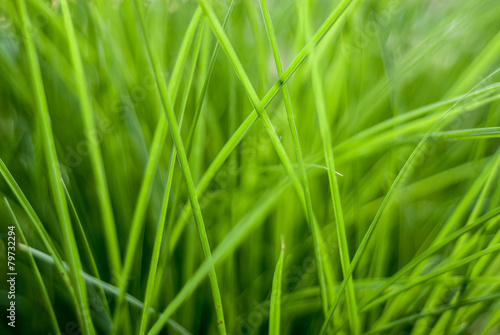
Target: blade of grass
(240, 71)
(199, 104)
(312, 292)
(477, 66)
(192, 129)
(465, 134)
(206, 82)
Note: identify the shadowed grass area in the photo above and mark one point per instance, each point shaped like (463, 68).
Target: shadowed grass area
(157, 156)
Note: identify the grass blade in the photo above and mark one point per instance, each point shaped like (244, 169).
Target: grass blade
(71, 248)
(275, 313)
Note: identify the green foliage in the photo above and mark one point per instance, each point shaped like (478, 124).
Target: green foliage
(154, 155)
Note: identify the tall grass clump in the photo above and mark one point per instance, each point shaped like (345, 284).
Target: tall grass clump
(248, 167)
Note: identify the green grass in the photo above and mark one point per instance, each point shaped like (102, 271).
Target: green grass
(156, 157)
(275, 308)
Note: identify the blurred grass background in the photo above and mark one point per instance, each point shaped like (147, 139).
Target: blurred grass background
(384, 72)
